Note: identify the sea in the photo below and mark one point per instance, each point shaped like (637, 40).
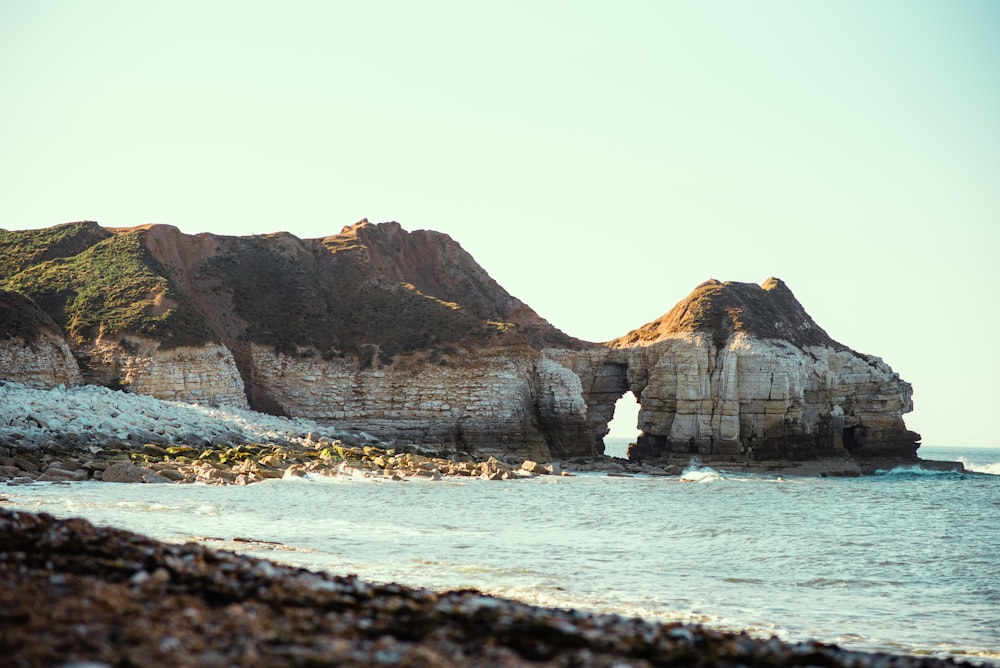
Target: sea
(906, 561)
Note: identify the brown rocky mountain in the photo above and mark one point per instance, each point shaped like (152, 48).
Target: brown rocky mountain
(403, 335)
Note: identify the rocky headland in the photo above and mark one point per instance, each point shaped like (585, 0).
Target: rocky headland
(147, 355)
(403, 336)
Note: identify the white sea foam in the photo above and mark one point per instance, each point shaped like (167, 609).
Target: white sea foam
(700, 475)
(695, 472)
(988, 469)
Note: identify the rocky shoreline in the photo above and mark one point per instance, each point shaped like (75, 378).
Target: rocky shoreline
(93, 433)
(248, 463)
(73, 594)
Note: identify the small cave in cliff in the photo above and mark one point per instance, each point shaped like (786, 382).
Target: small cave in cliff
(853, 438)
(623, 428)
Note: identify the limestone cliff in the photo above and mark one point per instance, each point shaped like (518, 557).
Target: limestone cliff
(32, 349)
(738, 370)
(401, 334)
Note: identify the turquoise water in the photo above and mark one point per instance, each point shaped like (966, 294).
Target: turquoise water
(903, 562)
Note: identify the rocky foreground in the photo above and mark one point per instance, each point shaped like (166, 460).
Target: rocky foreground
(75, 594)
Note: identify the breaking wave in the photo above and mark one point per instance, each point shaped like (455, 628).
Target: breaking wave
(695, 472)
(987, 469)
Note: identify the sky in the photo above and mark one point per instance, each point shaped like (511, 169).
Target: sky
(599, 160)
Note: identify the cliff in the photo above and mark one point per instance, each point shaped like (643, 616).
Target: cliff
(403, 335)
(738, 370)
(32, 348)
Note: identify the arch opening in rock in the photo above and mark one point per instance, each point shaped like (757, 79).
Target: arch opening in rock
(623, 428)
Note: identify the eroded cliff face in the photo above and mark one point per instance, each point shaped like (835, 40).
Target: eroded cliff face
(45, 361)
(750, 400)
(205, 374)
(476, 402)
(32, 349)
(740, 373)
(402, 335)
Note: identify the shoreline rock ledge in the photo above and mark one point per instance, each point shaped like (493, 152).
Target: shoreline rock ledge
(75, 594)
(404, 336)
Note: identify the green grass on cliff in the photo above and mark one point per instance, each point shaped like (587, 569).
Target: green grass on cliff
(273, 290)
(22, 249)
(21, 318)
(111, 286)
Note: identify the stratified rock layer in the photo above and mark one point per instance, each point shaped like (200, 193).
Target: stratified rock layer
(403, 335)
(751, 401)
(740, 370)
(205, 374)
(32, 349)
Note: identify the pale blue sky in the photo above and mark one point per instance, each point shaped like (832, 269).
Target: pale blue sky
(598, 159)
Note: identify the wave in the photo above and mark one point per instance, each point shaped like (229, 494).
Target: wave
(917, 471)
(695, 472)
(987, 469)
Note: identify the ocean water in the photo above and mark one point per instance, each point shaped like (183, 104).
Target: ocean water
(905, 562)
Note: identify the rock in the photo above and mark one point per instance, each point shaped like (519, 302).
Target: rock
(293, 471)
(39, 422)
(21, 480)
(272, 461)
(172, 475)
(218, 475)
(26, 464)
(127, 472)
(268, 474)
(535, 468)
(55, 474)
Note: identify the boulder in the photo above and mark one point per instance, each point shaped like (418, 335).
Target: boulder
(172, 475)
(535, 468)
(130, 473)
(56, 474)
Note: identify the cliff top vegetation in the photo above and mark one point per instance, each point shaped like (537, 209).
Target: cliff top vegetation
(721, 309)
(372, 291)
(92, 283)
